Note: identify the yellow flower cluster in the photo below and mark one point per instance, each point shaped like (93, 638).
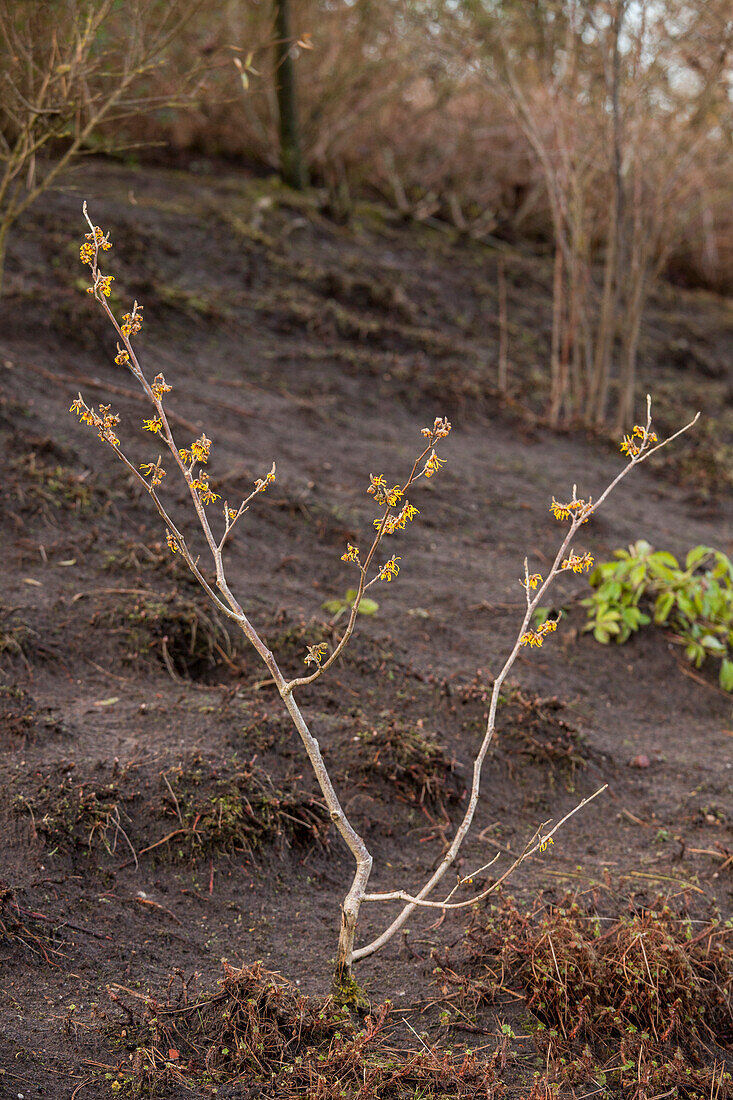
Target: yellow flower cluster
(172, 544)
(160, 386)
(201, 485)
(382, 495)
(104, 421)
(262, 482)
(389, 570)
(103, 285)
(565, 511)
(153, 470)
(440, 429)
(155, 425)
(96, 240)
(433, 464)
(631, 447)
(399, 522)
(532, 580)
(199, 451)
(537, 637)
(315, 654)
(132, 322)
(578, 564)
(121, 357)
(352, 553)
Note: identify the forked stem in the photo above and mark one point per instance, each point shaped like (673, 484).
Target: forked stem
(638, 447)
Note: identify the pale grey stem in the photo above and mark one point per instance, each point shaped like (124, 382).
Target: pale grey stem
(450, 856)
(231, 607)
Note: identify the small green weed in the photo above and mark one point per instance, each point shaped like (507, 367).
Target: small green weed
(338, 607)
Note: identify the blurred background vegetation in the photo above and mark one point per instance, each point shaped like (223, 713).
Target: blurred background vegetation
(596, 131)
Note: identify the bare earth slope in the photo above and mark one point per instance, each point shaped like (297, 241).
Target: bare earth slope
(131, 720)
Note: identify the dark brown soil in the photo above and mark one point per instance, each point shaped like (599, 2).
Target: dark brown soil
(158, 811)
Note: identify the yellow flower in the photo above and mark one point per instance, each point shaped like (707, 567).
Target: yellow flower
(122, 356)
(159, 386)
(377, 487)
(262, 482)
(433, 463)
(565, 511)
(629, 447)
(104, 421)
(99, 238)
(578, 564)
(382, 495)
(532, 581)
(231, 514)
(200, 449)
(315, 654)
(104, 284)
(352, 553)
(153, 470)
(389, 570)
(172, 544)
(201, 485)
(155, 425)
(537, 637)
(132, 322)
(398, 523)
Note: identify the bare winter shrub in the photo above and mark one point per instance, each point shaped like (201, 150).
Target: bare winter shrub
(372, 565)
(69, 69)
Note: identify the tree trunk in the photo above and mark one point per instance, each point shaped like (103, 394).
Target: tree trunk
(615, 249)
(633, 319)
(291, 161)
(556, 382)
(503, 334)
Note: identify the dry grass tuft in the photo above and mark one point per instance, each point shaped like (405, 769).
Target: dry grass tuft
(258, 1031)
(639, 1001)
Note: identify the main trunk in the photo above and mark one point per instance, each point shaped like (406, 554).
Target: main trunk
(291, 161)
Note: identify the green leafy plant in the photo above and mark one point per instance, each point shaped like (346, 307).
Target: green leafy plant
(338, 607)
(646, 585)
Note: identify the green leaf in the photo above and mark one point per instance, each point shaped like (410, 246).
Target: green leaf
(685, 605)
(695, 653)
(696, 554)
(726, 674)
(638, 574)
(337, 607)
(663, 606)
(333, 606)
